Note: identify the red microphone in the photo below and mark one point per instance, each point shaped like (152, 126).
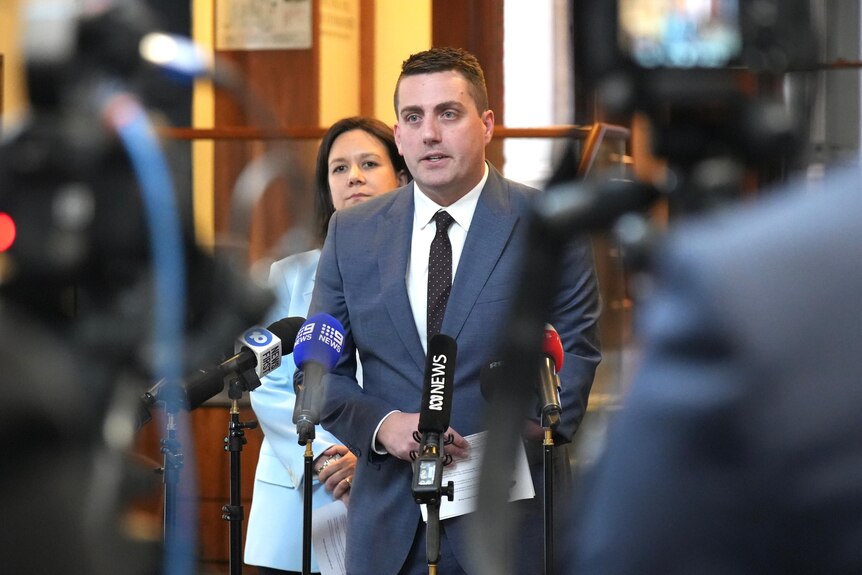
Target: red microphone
(549, 383)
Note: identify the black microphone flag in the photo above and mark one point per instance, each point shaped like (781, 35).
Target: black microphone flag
(434, 417)
(439, 384)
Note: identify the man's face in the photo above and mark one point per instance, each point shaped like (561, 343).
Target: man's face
(441, 134)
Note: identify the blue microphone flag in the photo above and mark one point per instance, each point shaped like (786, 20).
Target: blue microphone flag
(320, 340)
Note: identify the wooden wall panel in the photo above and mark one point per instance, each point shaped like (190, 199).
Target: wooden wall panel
(366, 57)
(284, 85)
(476, 26)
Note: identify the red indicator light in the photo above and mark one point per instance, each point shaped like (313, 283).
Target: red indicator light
(7, 231)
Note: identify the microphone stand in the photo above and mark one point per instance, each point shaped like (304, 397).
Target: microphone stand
(306, 417)
(432, 537)
(172, 461)
(428, 489)
(234, 512)
(550, 420)
(548, 462)
(306, 506)
(305, 431)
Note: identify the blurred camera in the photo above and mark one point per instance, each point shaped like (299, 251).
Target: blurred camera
(663, 50)
(721, 79)
(679, 34)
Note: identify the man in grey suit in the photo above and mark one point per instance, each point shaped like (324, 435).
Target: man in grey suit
(373, 277)
(739, 446)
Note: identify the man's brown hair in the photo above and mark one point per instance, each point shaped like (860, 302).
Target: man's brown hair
(443, 60)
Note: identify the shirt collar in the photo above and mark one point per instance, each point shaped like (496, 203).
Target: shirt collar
(461, 211)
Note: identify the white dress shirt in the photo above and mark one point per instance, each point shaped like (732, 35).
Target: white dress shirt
(420, 247)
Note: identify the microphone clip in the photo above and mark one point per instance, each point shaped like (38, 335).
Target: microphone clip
(447, 439)
(242, 381)
(428, 466)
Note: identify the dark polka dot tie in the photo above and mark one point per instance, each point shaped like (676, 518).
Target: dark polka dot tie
(439, 273)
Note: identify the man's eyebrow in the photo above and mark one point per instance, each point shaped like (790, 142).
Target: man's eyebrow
(410, 110)
(450, 104)
(447, 105)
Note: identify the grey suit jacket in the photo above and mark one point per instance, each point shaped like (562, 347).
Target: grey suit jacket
(361, 282)
(739, 446)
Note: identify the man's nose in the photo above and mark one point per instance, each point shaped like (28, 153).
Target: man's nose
(430, 131)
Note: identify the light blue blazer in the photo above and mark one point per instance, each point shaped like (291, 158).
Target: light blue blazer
(361, 282)
(274, 536)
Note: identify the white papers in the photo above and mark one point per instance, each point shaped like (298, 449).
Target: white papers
(464, 473)
(329, 537)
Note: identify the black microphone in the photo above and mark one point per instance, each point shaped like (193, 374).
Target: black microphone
(547, 387)
(259, 353)
(490, 377)
(434, 417)
(549, 383)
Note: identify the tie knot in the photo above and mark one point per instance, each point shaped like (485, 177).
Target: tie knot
(443, 220)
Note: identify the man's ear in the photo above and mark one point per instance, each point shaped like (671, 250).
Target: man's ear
(403, 178)
(488, 121)
(397, 134)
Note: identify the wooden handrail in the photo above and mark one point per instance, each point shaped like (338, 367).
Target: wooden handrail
(315, 133)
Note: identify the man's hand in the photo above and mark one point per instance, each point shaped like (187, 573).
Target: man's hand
(337, 475)
(458, 448)
(396, 437)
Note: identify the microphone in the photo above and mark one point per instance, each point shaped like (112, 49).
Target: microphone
(317, 348)
(549, 382)
(492, 377)
(434, 417)
(259, 351)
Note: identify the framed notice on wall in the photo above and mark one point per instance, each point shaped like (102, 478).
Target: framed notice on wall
(263, 24)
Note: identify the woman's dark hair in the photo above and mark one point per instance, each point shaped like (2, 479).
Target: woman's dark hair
(323, 206)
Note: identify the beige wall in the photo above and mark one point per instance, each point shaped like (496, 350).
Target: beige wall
(14, 87)
(401, 28)
(339, 60)
(203, 116)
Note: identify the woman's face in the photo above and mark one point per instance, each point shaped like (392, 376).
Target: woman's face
(359, 168)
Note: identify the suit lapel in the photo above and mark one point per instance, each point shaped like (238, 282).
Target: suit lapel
(492, 225)
(392, 242)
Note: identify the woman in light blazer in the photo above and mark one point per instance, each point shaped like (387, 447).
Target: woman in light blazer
(357, 160)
